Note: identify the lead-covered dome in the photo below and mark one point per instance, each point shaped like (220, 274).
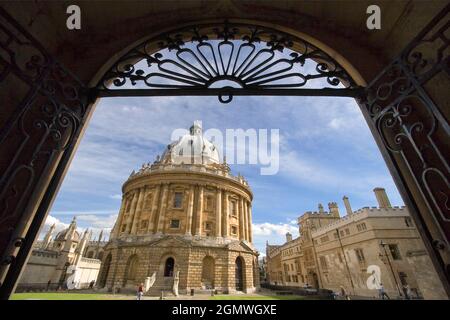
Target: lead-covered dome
(192, 148)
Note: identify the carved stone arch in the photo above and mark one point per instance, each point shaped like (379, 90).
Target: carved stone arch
(131, 270)
(200, 64)
(208, 272)
(168, 264)
(105, 271)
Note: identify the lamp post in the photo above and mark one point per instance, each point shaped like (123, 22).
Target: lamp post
(383, 244)
(345, 260)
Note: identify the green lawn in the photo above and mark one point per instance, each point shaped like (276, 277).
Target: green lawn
(61, 296)
(257, 297)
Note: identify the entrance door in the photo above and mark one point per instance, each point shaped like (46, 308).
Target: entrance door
(239, 275)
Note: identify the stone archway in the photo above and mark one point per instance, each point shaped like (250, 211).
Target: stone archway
(131, 270)
(412, 139)
(169, 267)
(239, 274)
(208, 272)
(106, 265)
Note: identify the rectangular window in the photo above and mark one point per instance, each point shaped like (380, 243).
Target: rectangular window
(233, 207)
(148, 201)
(174, 224)
(209, 203)
(340, 257)
(360, 255)
(395, 252)
(347, 231)
(178, 200)
(144, 224)
(124, 226)
(323, 262)
(208, 226)
(408, 222)
(233, 230)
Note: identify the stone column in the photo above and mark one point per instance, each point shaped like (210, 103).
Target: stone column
(199, 227)
(137, 213)
(132, 211)
(219, 212)
(121, 214)
(190, 211)
(154, 209)
(250, 234)
(162, 210)
(241, 219)
(226, 210)
(245, 219)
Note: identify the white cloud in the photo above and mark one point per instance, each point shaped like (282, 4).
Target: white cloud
(268, 229)
(272, 232)
(116, 196)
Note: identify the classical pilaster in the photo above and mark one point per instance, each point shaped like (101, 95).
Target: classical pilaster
(244, 207)
(154, 209)
(137, 214)
(190, 211)
(249, 209)
(120, 218)
(132, 211)
(241, 219)
(199, 227)
(226, 212)
(162, 209)
(218, 212)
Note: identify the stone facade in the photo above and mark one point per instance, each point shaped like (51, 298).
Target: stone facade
(357, 252)
(54, 260)
(185, 212)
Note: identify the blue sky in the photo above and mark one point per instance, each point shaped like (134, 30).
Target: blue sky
(326, 151)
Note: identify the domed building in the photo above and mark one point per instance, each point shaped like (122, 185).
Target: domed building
(185, 212)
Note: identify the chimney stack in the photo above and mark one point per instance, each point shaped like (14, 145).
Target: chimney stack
(334, 210)
(348, 208)
(288, 237)
(382, 198)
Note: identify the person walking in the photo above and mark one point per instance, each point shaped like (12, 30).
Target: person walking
(140, 291)
(344, 293)
(407, 291)
(382, 293)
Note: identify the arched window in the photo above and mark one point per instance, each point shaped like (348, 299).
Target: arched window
(100, 255)
(208, 270)
(239, 274)
(168, 267)
(105, 271)
(90, 254)
(132, 265)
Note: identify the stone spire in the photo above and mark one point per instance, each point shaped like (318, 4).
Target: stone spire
(321, 208)
(48, 237)
(100, 236)
(82, 246)
(72, 228)
(334, 209)
(196, 128)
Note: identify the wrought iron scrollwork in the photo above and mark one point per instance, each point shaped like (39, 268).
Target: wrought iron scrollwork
(199, 59)
(41, 130)
(410, 124)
